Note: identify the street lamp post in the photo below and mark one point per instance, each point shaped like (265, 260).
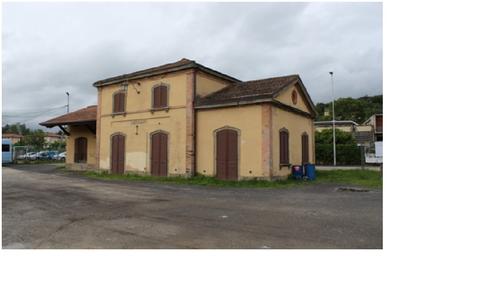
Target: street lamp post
(67, 105)
(333, 124)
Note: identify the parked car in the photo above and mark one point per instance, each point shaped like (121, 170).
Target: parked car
(52, 154)
(22, 156)
(61, 156)
(31, 156)
(42, 155)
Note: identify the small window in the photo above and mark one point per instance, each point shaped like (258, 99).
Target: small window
(160, 96)
(119, 102)
(294, 97)
(305, 148)
(5, 148)
(284, 160)
(80, 150)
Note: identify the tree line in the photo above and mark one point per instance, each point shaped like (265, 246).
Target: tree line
(33, 138)
(357, 110)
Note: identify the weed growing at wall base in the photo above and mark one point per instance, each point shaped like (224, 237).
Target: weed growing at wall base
(361, 178)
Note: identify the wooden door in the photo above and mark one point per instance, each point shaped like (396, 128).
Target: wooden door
(305, 148)
(118, 154)
(159, 154)
(80, 155)
(227, 155)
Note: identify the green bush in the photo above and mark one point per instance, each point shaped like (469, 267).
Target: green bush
(348, 153)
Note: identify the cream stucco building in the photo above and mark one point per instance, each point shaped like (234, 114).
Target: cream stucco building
(182, 119)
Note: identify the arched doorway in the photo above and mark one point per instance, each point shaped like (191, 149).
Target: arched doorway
(159, 154)
(227, 154)
(118, 154)
(80, 150)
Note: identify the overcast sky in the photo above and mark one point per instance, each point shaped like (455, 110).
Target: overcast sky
(53, 48)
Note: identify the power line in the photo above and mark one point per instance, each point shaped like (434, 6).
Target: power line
(27, 114)
(31, 117)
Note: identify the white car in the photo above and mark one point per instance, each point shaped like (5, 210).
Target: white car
(61, 156)
(32, 155)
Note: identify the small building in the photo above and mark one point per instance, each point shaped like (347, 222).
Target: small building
(183, 118)
(363, 134)
(81, 142)
(376, 121)
(14, 138)
(53, 137)
(342, 125)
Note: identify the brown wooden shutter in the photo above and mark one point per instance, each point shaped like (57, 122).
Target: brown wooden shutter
(84, 150)
(284, 148)
(121, 154)
(77, 151)
(118, 154)
(114, 154)
(159, 154)
(122, 102)
(80, 155)
(115, 103)
(156, 97)
(222, 154)
(232, 155)
(160, 97)
(287, 151)
(305, 148)
(119, 103)
(281, 148)
(164, 102)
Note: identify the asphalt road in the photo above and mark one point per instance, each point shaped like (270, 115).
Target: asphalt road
(43, 208)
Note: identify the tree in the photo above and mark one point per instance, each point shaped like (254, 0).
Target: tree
(357, 110)
(16, 128)
(57, 145)
(347, 150)
(35, 139)
(341, 137)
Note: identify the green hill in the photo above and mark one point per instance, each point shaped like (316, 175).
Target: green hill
(357, 110)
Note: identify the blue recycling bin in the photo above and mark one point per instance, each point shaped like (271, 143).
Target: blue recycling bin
(310, 171)
(297, 172)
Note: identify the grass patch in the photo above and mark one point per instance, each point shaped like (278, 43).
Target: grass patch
(196, 180)
(361, 178)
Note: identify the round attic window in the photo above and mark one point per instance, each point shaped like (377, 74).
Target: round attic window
(294, 97)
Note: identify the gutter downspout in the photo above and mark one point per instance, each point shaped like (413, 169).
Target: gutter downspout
(194, 122)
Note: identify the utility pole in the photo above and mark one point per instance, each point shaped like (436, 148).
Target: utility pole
(333, 124)
(67, 106)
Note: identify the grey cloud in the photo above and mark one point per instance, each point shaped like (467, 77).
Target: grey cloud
(51, 48)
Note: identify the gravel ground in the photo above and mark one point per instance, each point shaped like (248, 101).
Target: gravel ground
(44, 208)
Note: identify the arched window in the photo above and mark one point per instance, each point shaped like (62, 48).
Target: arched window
(160, 97)
(119, 102)
(80, 150)
(284, 152)
(294, 97)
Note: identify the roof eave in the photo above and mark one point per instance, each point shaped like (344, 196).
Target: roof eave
(259, 101)
(82, 122)
(236, 103)
(127, 77)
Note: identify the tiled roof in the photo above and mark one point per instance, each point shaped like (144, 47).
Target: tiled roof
(11, 135)
(169, 67)
(84, 115)
(53, 135)
(247, 91)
